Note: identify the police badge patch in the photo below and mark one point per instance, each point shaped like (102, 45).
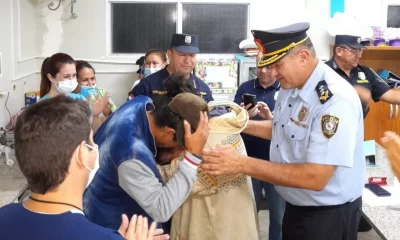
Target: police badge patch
(361, 75)
(329, 125)
(302, 114)
(188, 39)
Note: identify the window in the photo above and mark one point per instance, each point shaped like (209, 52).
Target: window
(393, 17)
(136, 27)
(220, 27)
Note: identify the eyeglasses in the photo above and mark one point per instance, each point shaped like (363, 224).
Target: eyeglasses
(354, 50)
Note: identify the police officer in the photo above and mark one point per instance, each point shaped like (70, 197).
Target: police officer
(182, 58)
(266, 90)
(347, 52)
(317, 158)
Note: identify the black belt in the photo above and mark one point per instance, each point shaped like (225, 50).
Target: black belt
(319, 208)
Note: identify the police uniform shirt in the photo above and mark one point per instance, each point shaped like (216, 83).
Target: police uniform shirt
(257, 147)
(323, 124)
(362, 76)
(154, 85)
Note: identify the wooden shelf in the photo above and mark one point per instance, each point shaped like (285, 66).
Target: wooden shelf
(385, 48)
(376, 48)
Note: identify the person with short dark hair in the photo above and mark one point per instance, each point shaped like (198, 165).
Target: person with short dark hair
(128, 180)
(347, 53)
(140, 63)
(182, 58)
(56, 153)
(317, 154)
(225, 193)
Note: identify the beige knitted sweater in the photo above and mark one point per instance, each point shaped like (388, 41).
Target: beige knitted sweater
(222, 207)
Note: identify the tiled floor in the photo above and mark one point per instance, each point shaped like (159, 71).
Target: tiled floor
(264, 224)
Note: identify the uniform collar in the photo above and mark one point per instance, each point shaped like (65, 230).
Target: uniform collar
(312, 81)
(257, 84)
(333, 64)
(192, 77)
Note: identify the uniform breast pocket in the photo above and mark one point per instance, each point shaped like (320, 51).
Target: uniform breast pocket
(297, 138)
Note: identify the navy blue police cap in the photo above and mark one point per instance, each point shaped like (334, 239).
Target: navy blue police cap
(276, 43)
(185, 43)
(351, 41)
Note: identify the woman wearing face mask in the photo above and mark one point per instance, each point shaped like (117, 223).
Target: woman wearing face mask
(155, 60)
(58, 76)
(55, 152)
(86, 77)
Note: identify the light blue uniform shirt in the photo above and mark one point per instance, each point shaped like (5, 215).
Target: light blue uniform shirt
(307, 129)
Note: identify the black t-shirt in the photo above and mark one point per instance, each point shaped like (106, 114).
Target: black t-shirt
(362, 76)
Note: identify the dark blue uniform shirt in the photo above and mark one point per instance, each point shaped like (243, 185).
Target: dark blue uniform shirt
(362, 76)
(257, 147)
(154, 85)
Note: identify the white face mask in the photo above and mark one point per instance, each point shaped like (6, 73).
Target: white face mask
(66, 86)
(92, 172)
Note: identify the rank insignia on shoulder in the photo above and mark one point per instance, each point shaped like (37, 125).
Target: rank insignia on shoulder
(329, 125)
(323, 91)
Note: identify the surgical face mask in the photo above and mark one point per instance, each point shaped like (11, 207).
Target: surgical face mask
(87, 91)
(92, 172)
(66, 86)
(96, 165)
(149, 71)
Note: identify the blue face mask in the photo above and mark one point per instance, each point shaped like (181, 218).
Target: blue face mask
(149, 71)
(87, 91)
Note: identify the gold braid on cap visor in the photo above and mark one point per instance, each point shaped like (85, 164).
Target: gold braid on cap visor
(278, 54)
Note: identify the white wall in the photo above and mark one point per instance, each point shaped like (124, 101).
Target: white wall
(34, 32)
(319, 14)
(373, 11)
(18, 70)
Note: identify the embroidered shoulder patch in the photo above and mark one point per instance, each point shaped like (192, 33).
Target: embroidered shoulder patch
(323, 91)
(158, 92)
(329, 125)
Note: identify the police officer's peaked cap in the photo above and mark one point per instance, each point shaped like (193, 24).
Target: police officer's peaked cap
(276, 43)
(185, 43)
(351, 41)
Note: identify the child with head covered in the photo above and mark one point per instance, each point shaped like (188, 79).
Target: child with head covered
(217, 207)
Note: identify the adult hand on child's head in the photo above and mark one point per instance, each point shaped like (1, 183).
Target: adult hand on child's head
(195, 142)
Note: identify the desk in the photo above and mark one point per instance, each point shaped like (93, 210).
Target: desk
(12, 184)
(384, 219)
